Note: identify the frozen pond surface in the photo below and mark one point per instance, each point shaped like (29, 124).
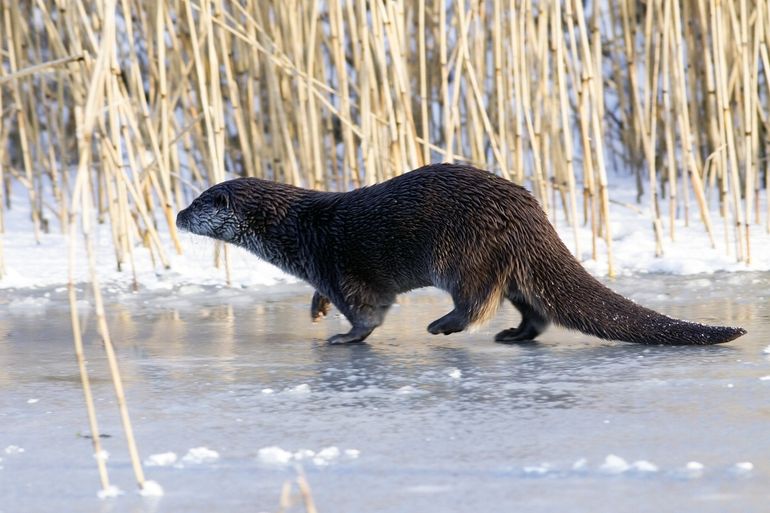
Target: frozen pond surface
(419, 423)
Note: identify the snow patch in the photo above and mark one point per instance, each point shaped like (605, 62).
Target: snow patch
(14, 449)
(110, 492)
(102, 455)
(614, 465)
(454, 373)
(304, 388)
(352, 453)
(644, 466)
(744, 467)
(326, 456)
(163, 459)
(538, 470)
(198, 455)
(151, 489)
(274, 455)
(693, 469)
(580, 464)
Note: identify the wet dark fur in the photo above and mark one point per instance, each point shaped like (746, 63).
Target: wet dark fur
(477, 236)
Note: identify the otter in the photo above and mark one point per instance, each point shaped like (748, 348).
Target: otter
(469, 232)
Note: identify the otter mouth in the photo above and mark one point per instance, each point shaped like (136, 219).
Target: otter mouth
(187, 221)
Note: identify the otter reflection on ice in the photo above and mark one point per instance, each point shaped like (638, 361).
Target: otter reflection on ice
(463, 230)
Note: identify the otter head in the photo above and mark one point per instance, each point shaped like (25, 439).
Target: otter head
(238, 211)
(213, 214)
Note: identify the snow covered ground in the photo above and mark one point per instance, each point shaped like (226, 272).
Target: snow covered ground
(41, 265)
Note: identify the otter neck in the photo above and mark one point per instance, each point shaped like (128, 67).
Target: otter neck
(279, 241)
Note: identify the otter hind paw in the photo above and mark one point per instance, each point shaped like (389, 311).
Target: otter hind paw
(513, 335)
(345, 338)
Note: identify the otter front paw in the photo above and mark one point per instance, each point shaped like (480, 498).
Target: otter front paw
(319, 306)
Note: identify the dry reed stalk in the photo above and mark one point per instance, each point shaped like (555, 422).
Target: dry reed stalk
(82, 204)
(77, 339)
(667, 118)
(565, 124)
(748, 121)
(13, 44)
(583, 86)
(730, 161)
(591, 67)
(683, 120)
(2, 182)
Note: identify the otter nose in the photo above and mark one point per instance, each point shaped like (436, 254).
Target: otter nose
(182, 221)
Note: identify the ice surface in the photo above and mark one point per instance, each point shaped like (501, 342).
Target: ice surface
(526, 427)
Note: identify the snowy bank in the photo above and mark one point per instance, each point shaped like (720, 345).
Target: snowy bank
(28, 264)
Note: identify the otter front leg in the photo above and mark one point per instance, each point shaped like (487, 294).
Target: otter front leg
(319, 306)
(532, 324)
(364, 319)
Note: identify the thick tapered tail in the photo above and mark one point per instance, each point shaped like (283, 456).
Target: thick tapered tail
(572, 298)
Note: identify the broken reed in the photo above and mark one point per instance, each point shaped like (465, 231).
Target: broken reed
(339, 94)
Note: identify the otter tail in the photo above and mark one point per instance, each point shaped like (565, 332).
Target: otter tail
(569, 296)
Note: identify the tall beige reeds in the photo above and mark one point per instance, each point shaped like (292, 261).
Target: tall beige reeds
(343, 93)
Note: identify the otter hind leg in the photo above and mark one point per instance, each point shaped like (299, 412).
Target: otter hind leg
(532, 324)
(364, 318)
(319, 306)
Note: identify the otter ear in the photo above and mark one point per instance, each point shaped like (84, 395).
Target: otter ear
(220, 198)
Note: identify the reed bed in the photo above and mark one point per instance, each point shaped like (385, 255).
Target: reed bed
(336, 95)
(119, 111)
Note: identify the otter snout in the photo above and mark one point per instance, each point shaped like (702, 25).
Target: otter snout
(183, 220)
